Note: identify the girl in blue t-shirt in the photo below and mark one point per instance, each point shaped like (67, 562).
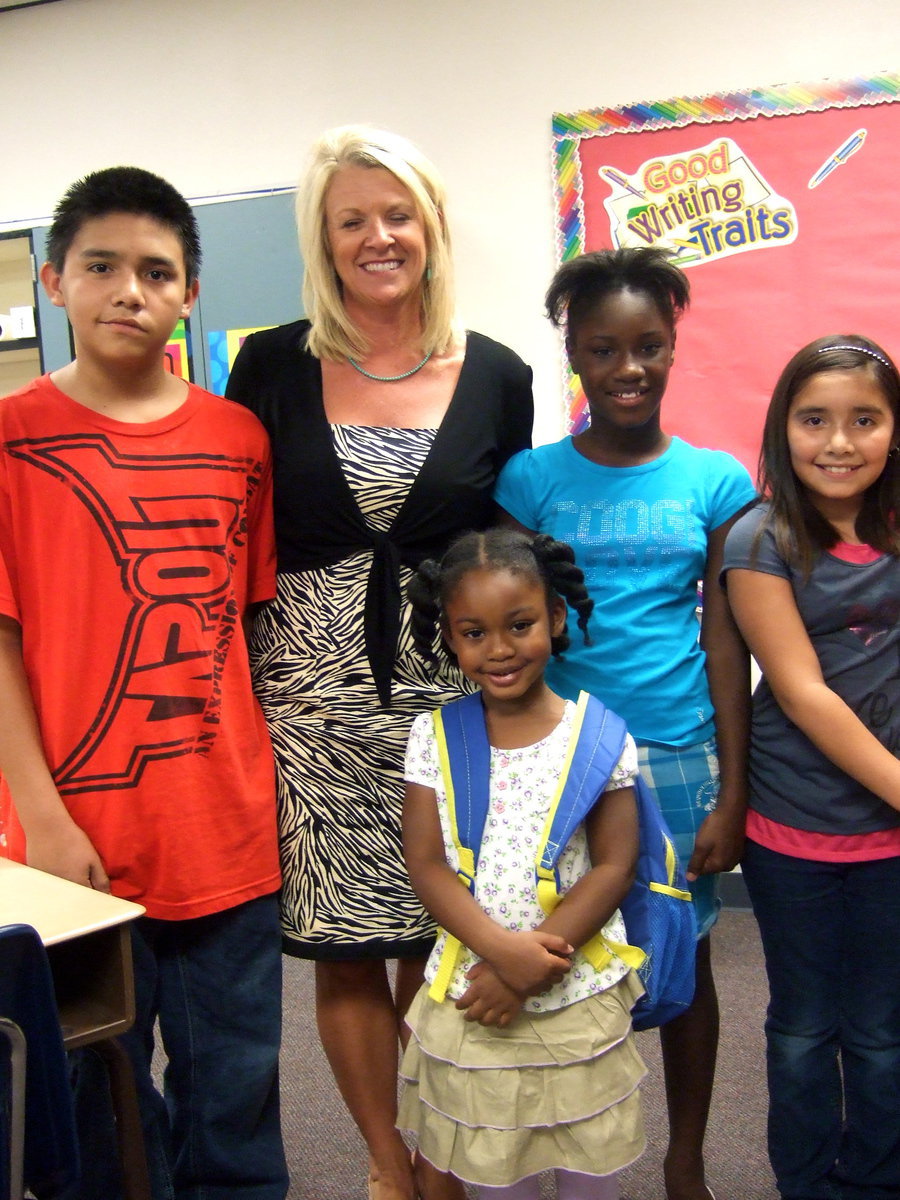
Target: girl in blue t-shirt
(814, 581)
(647, 515)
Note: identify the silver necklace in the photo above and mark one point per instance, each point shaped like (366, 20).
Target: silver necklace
(388, 378)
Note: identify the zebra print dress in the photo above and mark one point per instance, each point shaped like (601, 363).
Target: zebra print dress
(339, 753)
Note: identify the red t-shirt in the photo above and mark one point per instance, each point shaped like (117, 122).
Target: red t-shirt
(128, 554)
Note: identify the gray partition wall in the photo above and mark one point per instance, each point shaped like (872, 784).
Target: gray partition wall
(251, 272)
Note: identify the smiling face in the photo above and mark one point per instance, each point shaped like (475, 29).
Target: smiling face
(840, 430)
(622, 350)
(123, 287)
(376, 237)
(499, 625)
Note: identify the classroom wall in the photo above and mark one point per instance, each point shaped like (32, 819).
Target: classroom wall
(224, 96)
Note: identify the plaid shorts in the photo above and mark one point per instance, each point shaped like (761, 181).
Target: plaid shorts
(685, 780)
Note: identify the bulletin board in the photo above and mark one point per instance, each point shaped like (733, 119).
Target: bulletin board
(780, 203)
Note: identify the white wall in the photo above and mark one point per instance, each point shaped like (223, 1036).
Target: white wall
(226, 95)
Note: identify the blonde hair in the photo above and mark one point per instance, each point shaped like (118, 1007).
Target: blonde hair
(333, 334)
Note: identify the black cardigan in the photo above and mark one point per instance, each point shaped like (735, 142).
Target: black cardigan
(317, 520)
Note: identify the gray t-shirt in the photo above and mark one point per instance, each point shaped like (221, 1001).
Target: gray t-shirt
(852, 615)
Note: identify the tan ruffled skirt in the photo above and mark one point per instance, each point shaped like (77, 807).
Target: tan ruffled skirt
(556, 1089)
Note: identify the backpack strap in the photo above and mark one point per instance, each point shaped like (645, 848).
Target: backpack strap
(598, 737)
(464, 753)
(465, 758)
(672, 864)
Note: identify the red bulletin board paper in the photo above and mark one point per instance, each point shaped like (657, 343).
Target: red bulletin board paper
(724, 181)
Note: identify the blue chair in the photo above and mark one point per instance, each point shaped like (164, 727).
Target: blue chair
(28, 1001)
(12, 1111)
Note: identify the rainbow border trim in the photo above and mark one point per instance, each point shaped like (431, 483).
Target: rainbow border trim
(570, 128)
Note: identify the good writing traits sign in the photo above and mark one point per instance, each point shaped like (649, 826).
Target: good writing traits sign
(779, 203)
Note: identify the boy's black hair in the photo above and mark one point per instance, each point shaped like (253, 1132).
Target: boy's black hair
(579, 285)
(124, 190)
(549, 562)
(800, 530)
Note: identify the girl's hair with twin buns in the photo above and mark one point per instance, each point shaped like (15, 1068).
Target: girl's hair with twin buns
(541, 558)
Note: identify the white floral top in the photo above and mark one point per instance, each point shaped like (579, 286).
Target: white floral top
(522, 783)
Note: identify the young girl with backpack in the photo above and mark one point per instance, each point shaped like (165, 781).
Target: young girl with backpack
(647, 515)
(530, 1064)
(813, 576)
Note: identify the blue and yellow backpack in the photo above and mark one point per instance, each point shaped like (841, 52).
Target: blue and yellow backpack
(658, 913)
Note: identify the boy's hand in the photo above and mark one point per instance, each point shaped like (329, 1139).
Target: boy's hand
(67, 851)
(487, 999)
(531, 961)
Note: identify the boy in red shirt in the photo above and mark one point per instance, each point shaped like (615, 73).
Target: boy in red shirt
(135, 535)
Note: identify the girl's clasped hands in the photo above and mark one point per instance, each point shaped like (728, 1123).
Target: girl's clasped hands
(526, 963)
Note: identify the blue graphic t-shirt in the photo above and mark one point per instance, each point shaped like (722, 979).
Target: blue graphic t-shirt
(640, 536)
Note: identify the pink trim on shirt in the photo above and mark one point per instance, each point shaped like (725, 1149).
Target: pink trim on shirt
(823, 847)
(828, 847)
(851, 553)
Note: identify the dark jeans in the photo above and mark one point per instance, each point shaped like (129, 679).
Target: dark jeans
(215, 984)
(831, 936)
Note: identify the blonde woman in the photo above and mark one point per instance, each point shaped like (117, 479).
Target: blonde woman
(389, 425)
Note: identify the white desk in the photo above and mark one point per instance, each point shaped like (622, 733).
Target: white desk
(88, 944)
